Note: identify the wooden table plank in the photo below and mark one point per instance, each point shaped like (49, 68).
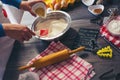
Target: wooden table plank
(22, 53)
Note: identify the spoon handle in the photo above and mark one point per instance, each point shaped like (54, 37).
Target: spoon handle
(99, 2)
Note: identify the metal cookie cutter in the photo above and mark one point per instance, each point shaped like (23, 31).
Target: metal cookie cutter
(105, 52)
(113, 12)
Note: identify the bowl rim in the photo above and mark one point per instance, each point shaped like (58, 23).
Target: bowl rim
(58, 35)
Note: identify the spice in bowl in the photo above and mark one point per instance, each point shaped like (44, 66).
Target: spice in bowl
(97, 11)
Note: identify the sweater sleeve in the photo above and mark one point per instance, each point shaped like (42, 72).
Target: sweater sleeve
(15, 3)
(2, 33)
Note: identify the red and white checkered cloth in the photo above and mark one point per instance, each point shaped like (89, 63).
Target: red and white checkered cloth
(113, 39)
(74, 68)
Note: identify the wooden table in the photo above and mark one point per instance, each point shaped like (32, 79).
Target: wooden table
(22, 53)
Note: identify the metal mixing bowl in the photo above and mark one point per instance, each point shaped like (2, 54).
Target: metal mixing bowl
(53, 15)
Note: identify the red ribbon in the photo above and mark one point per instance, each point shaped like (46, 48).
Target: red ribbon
(4, 12)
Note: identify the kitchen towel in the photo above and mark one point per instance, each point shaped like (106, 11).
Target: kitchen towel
(105, 33)
(74, 68)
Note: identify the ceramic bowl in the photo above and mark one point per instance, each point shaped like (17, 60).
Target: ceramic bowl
(88, 2)
(114, 27)
(96, 9)
(50, 16)
(40, 9)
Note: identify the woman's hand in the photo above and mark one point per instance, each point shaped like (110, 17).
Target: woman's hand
(18, 32)
(27, 5)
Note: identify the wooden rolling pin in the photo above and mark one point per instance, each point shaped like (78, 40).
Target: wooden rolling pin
(52, 58)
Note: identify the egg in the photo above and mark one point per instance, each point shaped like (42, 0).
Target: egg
(88, 2)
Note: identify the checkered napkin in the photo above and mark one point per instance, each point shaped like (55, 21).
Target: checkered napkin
(105, 33)
(74, 68)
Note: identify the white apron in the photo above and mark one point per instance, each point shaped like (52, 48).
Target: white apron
(6, 43)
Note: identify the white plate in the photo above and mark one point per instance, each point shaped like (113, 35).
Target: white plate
(88, 2)
(96, 7)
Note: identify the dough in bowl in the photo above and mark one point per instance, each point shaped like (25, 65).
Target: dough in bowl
(54, 27)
